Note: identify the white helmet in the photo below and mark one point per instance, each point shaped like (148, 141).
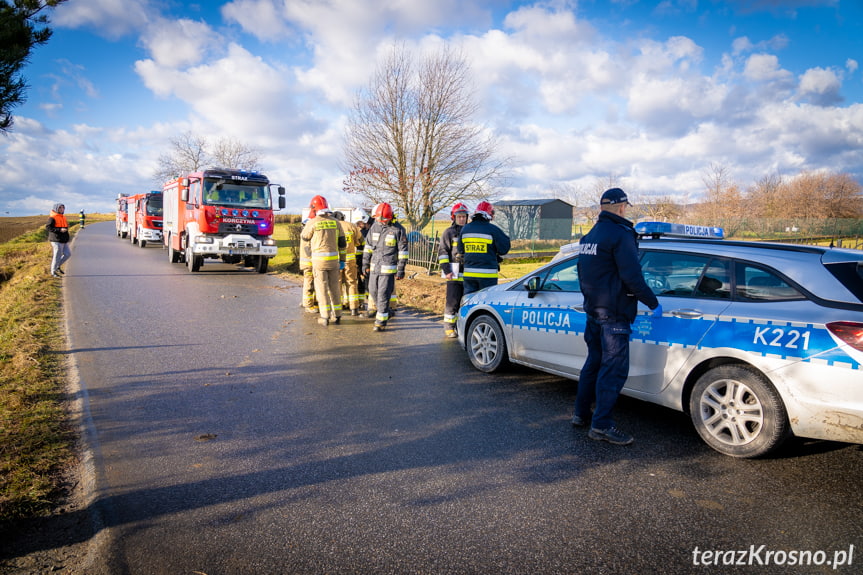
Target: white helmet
(360, 216)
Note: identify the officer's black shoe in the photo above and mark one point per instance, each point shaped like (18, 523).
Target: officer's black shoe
(355, 312)
(578, 421)
(336, 320)
(611, 435)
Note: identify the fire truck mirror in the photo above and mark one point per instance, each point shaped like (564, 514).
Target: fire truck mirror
(281, 202)
(281, 190)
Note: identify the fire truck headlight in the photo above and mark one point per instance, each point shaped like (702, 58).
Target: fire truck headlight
(269, 242)
(203, 240)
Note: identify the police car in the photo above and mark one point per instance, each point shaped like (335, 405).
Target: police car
(757, 342)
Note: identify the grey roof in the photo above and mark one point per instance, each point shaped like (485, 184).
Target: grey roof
(528, 202)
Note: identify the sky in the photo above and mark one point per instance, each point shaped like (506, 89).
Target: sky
(649, 94)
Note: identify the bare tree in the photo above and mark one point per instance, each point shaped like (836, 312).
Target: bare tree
(191, 153)
(410, 139)
(231, 153)
(723, 204)
(584, 202)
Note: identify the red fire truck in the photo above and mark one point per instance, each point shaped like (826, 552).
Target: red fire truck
(220, 214)
(121, 219)
(145, 218)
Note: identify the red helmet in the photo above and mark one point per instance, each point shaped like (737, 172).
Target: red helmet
(383, 213)
(485, 209)
(319, 204)
(458, 208)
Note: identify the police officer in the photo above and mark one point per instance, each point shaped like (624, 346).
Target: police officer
(481, 244)
(612, 284)
(450, 266)
(384, 259)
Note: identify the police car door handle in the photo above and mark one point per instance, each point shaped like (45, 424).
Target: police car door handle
(687, 313)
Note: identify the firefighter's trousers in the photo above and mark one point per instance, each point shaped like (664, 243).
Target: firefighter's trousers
(328, 292)
(309, 289)
(349, 283)
(381, 289)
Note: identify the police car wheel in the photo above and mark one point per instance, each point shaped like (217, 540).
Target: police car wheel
(486, 346)
(737, 412)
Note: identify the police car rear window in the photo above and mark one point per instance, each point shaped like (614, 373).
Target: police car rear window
(851, 276)
(758, 284)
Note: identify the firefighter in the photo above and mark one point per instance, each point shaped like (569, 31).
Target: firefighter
(384, 259)
(353, 240)
(309, 302)
(327, 243)
(450, 266)
(482, 244)
(360, 220)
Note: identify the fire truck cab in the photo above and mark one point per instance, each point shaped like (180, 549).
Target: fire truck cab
(220, 214)
(145, 218)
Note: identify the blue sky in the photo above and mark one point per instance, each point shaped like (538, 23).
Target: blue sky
(649, 93)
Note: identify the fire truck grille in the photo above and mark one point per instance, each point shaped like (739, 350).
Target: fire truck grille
(250, 229)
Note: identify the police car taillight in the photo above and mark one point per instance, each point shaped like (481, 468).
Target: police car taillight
(848, 331)
(657, 229)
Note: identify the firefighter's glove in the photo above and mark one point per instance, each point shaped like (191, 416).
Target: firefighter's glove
(400, 275)
(341, 265)
(657, 311)
(367, 271)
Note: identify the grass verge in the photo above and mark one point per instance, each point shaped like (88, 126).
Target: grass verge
(36, 443)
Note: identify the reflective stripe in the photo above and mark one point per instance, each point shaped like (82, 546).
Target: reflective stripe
(404, 255)
(443, 259)
(478, 238)
(480, 273)
(325, 256)
(388, 269)
(382, 317)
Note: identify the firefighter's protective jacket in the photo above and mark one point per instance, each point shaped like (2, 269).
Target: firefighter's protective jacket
(326, 241)
(386, 250)
(353, 238)
(448, 252)
(482, 243)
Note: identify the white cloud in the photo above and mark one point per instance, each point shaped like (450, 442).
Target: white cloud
(764, 68)
(821, 86)
(178, 43)
(261, 18)
(111, 18)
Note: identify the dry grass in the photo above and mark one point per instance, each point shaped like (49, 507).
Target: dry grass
(36, 443)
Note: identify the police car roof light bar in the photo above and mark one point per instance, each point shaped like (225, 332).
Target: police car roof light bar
(666, 229)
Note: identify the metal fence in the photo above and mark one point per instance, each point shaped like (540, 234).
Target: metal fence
(423, 251)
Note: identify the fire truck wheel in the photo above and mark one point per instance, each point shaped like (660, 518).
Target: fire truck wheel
(193, 262)
(142, 243)
(262, 264)
(173, 255)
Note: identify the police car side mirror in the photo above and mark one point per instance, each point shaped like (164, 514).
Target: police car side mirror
(532, 285)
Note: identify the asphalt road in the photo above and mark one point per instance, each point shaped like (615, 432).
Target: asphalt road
(231, 434)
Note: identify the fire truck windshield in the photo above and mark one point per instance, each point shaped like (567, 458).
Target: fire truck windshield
(154, 206)
(250, 195)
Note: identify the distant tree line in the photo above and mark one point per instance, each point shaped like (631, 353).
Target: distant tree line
(809, 202)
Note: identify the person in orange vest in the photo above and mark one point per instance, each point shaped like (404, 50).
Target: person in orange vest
(327, 243)
(58, 235)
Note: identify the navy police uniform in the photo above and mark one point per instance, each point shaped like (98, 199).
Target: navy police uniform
(612, 284)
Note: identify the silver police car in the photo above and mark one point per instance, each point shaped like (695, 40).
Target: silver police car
(758, 341)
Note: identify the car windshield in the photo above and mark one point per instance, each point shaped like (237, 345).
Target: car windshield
(221, 193)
